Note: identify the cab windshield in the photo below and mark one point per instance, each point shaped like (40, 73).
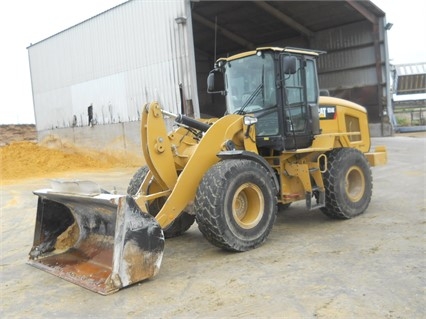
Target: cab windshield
(250, 84)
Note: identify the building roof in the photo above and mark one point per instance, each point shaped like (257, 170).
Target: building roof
(233, 26)
(250, 24)
(410, 78)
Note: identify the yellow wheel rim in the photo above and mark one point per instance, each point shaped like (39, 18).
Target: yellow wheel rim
(355, 184)
(248, 205)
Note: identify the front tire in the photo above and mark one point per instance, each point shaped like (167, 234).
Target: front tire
(236, 204)
(179, 225)
(348, 184)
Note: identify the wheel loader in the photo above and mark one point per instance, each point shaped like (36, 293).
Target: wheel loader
(278, 142)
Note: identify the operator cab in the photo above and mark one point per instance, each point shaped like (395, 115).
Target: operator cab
(277, 86)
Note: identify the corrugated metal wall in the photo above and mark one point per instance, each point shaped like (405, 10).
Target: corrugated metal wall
(115, 62)
(351, 58)
(349, 48)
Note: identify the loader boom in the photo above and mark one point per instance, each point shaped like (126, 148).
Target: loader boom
(163, 158)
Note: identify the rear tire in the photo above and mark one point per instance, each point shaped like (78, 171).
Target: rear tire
(180, 225)
(236, 204)
(348, 184)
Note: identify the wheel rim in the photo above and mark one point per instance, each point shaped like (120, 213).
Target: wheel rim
(355, 184)
(248, 205)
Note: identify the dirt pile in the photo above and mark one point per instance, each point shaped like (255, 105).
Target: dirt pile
(26, 159)
(22, 157)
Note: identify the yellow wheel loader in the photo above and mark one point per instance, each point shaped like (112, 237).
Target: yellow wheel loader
(278, 142)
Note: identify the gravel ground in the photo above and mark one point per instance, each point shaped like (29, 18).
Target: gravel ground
(372, 266)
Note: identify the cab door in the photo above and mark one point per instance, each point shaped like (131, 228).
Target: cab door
(300, 99)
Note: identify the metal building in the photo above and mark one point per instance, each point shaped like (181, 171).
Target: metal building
(409, 99)
(90, 81)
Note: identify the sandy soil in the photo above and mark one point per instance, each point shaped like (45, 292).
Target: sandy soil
(21, 156)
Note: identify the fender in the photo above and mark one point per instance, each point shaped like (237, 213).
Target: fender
(241, 154)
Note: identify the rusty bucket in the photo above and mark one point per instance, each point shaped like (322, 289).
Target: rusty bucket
(100, 241)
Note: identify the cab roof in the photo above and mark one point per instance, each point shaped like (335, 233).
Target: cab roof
(314, 53)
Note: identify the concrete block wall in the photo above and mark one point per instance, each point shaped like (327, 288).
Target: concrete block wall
(119, 138)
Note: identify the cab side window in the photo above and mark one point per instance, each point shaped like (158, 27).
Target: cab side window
(295, 100)
(311, 82)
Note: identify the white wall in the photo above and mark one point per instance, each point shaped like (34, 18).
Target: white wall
(116, 62)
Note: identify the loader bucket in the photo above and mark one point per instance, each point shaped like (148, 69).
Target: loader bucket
(102, 242)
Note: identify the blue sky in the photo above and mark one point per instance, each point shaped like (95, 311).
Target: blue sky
(29, 21)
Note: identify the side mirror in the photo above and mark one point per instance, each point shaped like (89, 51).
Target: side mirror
(289, 64)
(215, 83)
